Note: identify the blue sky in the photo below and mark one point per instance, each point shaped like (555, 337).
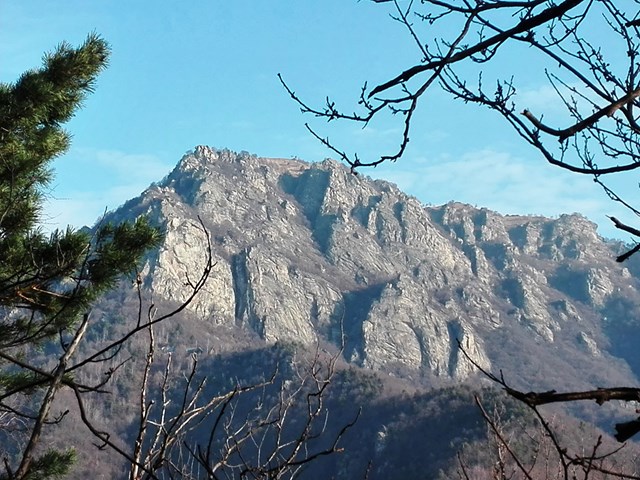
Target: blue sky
(204, 72)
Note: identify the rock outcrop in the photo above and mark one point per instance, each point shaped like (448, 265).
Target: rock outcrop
(310, 251)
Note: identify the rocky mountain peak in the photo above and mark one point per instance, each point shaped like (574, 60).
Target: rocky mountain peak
(308, 251)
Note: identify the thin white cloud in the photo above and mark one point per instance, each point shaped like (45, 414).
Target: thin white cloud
(547, 103)
(128, 165)
(84, 208)
(90, 181)
(504, 183)
(539, 99)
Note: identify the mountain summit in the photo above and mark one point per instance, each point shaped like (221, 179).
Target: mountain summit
(308, 251)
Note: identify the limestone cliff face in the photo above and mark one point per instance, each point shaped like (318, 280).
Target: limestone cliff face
(304, 251)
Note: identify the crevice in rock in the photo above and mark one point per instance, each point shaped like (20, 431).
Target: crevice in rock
(380, 227)
(309, 189)
(357, 305)
(456, 333)
(519, 236)
(398, 210)
(472, 254)
(574, 283)
(362, 213)
(498, 254)
(479, 221)
(314, 313)
(621, 325)
(240, 280)
(322, 232)
(243, 295)
(424, 350)
(514, 291)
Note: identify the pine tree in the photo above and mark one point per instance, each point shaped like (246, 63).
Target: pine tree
(48, 282)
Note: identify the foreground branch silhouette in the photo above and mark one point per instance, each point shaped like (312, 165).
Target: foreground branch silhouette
(275, 433)
(589, 57)
(593, 127)
(52, 372)
(570, 463)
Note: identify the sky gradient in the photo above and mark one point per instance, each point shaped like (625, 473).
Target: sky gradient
(205, 72)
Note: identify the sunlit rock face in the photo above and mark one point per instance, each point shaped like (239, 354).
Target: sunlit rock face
(306, 252)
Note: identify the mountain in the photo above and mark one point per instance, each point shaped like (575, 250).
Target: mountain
(309, 253)
(306, 251)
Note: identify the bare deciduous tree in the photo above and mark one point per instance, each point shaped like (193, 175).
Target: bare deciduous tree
(550, 455)
(586, 50)
(588, 53)
(283, 429)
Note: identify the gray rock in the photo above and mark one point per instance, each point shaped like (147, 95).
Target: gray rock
(307, 252)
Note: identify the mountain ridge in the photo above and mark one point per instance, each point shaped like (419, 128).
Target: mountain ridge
(310, 259)
(310, 251)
